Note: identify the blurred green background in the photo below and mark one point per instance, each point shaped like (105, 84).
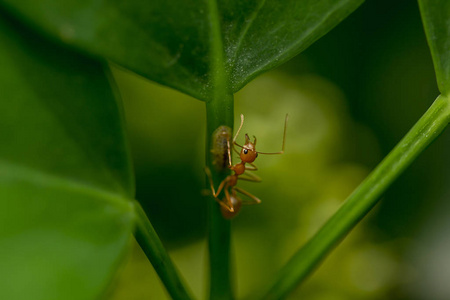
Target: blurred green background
(351, 97)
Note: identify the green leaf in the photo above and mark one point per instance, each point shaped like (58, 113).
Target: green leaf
(175, 43)
(65, 177)
(436, 21)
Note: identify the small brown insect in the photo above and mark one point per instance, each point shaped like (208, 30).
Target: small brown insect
(219, 147)
(231, 203)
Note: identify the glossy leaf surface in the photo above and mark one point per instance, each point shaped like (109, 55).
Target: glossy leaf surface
(436, 21)
(175, 42)
(65, 180)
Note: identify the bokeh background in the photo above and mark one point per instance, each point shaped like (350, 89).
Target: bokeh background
(351, 97)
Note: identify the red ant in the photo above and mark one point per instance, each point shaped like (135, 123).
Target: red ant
(231, 204)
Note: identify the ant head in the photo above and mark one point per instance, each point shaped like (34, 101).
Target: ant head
(248, 153)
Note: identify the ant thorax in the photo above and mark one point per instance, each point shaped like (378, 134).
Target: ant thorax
(238, 169)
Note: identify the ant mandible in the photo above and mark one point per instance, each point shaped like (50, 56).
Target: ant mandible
(231, 204)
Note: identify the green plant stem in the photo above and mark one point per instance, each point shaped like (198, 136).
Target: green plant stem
(219, 112)
(153, 248)
(366, 195)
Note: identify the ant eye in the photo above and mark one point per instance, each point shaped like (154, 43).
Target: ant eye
(245, 151)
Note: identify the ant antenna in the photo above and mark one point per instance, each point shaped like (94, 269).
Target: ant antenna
(284, 139)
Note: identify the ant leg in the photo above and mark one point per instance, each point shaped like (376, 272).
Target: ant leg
(224, 205)
(229, 152)
(255, 199)
(229, 205)
(211, 183)
(254, 167)
(234, 149)
(284, 139)
(251, 177)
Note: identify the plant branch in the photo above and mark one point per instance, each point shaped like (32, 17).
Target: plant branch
(359, 203)
(153, 248)
(219, 112)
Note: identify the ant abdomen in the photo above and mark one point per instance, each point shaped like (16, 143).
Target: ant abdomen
(236, 204)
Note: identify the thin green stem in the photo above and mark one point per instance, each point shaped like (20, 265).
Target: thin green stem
(219, 112)
(152, 246)
(430, 125)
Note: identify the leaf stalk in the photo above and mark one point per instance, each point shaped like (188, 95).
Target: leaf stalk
(362, 200)
(153, 248)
